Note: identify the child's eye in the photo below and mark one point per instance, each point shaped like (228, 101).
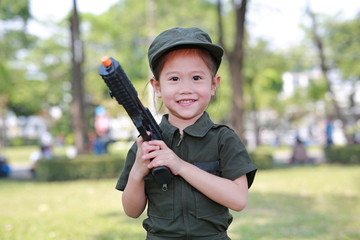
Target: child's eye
(196, 78)
(174, 79)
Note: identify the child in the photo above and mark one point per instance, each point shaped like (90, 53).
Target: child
(211, 167)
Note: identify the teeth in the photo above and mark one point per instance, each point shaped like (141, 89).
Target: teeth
(186, 101)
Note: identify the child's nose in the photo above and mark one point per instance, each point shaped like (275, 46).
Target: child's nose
(186, 87)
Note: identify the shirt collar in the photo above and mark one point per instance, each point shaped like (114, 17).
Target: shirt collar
(198, 129)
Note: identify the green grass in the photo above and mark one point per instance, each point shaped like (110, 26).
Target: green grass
(317, 202)
(320, 202)
(64, 210)
(19, 154)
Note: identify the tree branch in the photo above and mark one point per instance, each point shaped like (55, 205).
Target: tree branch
(221, 28)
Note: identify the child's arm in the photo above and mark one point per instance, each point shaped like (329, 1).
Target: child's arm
(231, 194)
(133, 198)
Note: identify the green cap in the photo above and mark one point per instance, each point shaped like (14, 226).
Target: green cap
(177, 37)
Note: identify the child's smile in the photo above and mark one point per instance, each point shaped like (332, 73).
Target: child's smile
(186, 102)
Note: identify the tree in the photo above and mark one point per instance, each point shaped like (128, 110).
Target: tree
(235, 58)
(12, 39)
(263, 70)
(319, 44)
(342, 39)
(78, 104)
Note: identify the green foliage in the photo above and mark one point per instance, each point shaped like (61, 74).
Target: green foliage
(263, 70)
(81, 167)
(51, 69)
(62, 127)
(10, 9)
(4, 75)
(343, 154)
(14, 40)
(28, 97)
(317, 89)
(262, 160)
(17, 142)
(220, 103)
(343, 37)
(270, 79)
(299, 58)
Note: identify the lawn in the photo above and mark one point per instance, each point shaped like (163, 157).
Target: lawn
(21, 155)
(312, 202)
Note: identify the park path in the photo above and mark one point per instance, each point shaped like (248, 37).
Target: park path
(316, 156)
(20, 171)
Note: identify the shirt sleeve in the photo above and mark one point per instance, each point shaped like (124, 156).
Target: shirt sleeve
(130, 159)
(234, 158)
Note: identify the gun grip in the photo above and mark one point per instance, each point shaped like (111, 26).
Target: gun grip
(162, 175)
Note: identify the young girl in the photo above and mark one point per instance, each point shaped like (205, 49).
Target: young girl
(211, 167)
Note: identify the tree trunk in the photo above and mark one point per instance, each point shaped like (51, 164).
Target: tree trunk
(237, 111)
(150, 11)
(4, 100)
(78, 104)
(235, 58)
(323, 63)
(254, 114)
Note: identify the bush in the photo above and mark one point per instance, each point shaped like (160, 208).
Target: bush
(104, 166)
(81, 167)
(343, 154)
(262, 160)
(18, 141)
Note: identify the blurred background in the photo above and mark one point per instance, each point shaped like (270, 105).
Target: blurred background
(290, 84)
(295, 72)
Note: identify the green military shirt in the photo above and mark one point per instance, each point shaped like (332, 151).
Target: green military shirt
(182, 212)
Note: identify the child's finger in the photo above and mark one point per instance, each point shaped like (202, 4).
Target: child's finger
(159, 143)
(146, 148)
(139, 141)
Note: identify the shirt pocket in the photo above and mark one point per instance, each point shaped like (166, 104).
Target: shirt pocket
(205, 207)
(212, 167)
(160, 202)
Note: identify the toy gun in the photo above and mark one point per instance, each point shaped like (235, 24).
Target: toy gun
(125, 94)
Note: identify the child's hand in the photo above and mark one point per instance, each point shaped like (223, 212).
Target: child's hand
(140, 167)
(161, 155)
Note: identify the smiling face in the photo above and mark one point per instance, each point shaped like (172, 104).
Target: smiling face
(186, 85)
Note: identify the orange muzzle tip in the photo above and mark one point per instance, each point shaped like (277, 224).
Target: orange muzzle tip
(106, 61)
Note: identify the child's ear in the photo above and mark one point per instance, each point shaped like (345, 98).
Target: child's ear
(215, 83)
(156, 85)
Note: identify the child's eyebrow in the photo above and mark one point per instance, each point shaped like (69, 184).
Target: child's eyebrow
(195, 72)
(198, 72)
(171, 73)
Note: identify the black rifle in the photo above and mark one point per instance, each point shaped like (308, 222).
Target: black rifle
(125, 94)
